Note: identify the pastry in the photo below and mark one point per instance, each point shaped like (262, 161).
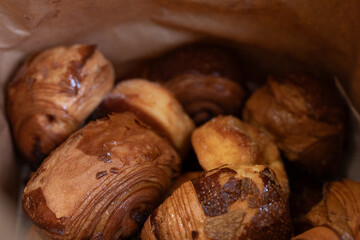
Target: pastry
(223, 204)
(205, 96)
(154, 105)
(304, 116)
(103, 182)
(53, 93)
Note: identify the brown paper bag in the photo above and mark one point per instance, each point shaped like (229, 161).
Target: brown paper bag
(320, 35)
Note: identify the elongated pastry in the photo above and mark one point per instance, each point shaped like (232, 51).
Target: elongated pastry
(305, 116)
(223, 204)
(53, 93)
(103, 182)
(154, 105)
(204, 96)
(201, 58)
(228, 140)
(339, 209)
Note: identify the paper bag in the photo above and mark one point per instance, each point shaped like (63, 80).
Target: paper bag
(274, 34)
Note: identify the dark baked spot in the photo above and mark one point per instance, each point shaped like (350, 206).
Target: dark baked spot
(50, 118)
(272, 220)
(194, 234)
(214, 198)
(114, 170)
(101, 174)
(36, 207)
(155, 225)
(139, 216)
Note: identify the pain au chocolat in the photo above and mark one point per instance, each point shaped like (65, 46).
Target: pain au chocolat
(103, 182)
(305, 117)
(205, 78)
(204, 96)
(199, 58)
(53, 93)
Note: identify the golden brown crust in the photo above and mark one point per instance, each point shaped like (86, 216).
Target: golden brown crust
(104, 180)
(204, 96)
(318, 233)
(228, 140)
(223, 204)
(154, 105)
(200, 58)
(304, 116)
(182, 179)
(52, 94)
(339, 209)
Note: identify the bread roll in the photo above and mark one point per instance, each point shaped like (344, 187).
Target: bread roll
(228, 140)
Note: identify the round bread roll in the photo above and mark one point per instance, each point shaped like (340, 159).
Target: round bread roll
(154, 105)
(305, 117)
(228, 140)
(103, 182)
(53, 93)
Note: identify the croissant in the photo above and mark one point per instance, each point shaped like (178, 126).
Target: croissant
(339, 209)
(154, 105)
(318, 233)
(223, 204)
(103, 182)
(228, 140)
(53, 93)
(206, 96)
(200, 58)
(304, 115)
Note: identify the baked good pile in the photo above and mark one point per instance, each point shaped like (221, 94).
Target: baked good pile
(183, 151)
